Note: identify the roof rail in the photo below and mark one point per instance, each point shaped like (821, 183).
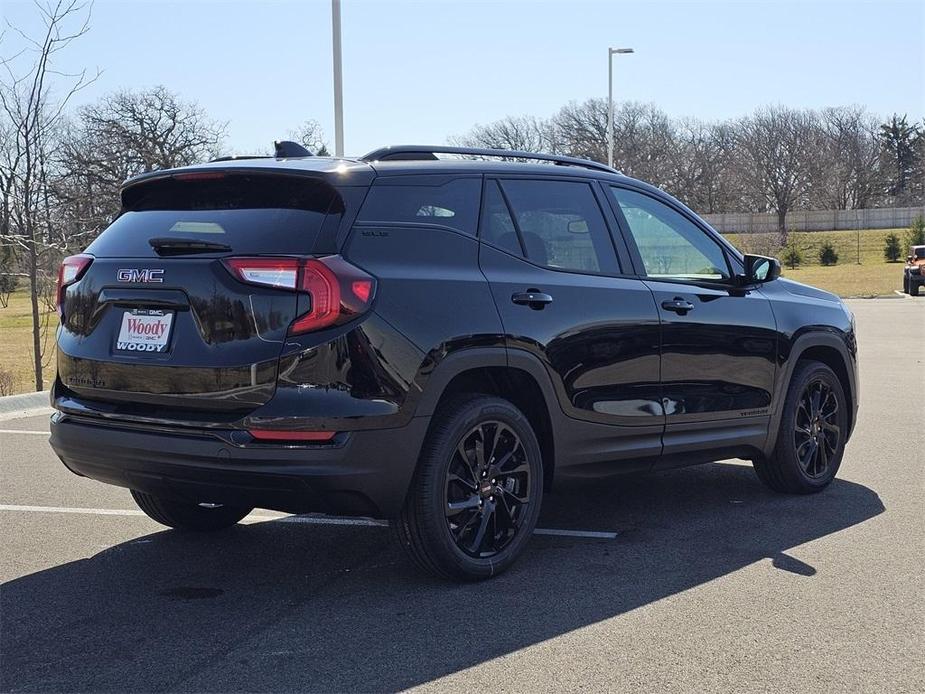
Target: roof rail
(425, 152)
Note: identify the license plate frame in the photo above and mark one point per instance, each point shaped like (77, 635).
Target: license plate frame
(144, 331)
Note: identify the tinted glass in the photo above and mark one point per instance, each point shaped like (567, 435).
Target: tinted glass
(671, 246)
(561, 225)
(245, 231)
(251, 214)
(497, 225)
(454, 204)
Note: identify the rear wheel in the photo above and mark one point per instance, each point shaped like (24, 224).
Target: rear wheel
(812, 432)
(914, 287)
(476, 495)
(187, 515)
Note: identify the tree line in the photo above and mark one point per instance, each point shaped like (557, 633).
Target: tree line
(777, 159)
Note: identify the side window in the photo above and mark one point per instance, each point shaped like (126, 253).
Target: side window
(497, 225)
(561, 225)
(671, 246)
(454, 204)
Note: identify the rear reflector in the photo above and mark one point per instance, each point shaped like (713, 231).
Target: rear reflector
(274, 435)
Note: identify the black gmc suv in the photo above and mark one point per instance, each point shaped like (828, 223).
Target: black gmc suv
(431, 341)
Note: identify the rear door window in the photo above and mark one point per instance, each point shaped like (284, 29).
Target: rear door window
(561, 225)
(249, 214)
(453, 204)
(497, 224)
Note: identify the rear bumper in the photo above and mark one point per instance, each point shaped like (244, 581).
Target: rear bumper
(363, 473)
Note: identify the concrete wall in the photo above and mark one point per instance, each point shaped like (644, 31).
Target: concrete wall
(816, 220)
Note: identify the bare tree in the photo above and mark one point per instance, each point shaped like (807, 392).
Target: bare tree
(523, 133)
(122, 135)
(774, 145)
(33, 96)
(644, 137)
(844, 163)
(311, 136)
(703, 159)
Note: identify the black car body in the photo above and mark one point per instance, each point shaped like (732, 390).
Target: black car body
(322, 311)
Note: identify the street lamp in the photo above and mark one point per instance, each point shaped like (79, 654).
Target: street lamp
(610, 52)
(338, 81)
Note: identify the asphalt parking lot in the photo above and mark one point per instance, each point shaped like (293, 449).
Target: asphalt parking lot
(712, 583)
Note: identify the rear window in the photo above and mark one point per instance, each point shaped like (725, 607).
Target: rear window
(250, 214)
(454, 204)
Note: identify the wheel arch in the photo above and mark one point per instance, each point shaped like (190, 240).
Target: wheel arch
(513, 375)
(827, 349)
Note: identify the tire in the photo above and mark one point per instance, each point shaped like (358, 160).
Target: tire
(906, 288)
(495, 505)
(808, 449)
(914, 288)
(188, 516)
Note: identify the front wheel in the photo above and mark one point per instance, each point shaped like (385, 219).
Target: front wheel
(187, 515)
(914, 287)
(812, 433)
(476, 494)
(906, 288)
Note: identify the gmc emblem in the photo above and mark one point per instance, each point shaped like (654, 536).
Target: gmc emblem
(140, 275)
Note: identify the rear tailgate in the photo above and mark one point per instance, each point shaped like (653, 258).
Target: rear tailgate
(169, 326)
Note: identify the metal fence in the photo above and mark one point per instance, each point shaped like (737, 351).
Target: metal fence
(816, 220)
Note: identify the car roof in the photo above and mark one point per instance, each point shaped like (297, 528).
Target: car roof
(350, 171)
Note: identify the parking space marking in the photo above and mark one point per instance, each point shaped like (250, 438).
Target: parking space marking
(595, 534)
(62, 509)
(23, 431)
(308, 520)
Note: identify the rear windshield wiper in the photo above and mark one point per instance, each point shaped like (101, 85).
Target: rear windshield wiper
(174, 246)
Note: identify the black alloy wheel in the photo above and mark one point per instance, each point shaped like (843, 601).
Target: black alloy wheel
(475, 498)
(811, 434)
(816, 431)
(487, 489)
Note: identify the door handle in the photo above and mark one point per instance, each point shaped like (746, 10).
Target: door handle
(678, 305)
(533, 298)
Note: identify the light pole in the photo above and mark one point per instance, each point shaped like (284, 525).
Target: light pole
(338, 81)
(610, 52)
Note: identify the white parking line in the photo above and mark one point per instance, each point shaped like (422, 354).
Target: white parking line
(596, 534)
(62, 509)
(308, 520)
(23, 431)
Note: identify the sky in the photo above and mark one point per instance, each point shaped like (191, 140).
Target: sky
(420, 72)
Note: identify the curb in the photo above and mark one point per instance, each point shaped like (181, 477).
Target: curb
(24, 405)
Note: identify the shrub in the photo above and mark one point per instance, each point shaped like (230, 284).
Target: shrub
(916, 235)
(827, 253)
(7, 382)
(7, 287)
(892, 248)
(792, 257)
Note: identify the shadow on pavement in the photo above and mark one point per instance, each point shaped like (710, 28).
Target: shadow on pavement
(284, 606)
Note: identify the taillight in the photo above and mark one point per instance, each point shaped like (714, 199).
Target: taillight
(72, 269)
(338, 290)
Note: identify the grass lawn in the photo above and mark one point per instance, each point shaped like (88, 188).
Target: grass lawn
(873, 277)
(16, 343)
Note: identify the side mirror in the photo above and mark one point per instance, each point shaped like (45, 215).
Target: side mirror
(759, 268)
(908, 258)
